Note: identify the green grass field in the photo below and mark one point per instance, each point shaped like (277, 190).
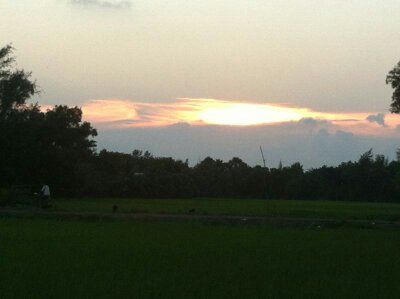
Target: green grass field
(64, 257)
(135, 259)
(274, 208)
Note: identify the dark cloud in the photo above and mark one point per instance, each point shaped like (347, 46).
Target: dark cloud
(117, 4)
(312, 122)
(377, 118)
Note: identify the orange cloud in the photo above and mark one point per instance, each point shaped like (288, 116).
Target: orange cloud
(125, 113)
(109, 110)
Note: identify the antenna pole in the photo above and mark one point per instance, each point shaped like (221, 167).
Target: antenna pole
(265, 173)
(262, 155)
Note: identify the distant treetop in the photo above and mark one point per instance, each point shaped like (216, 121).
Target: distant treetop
(393, 78)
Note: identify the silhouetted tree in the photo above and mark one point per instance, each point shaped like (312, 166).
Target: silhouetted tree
(36, 146)
(393, 78)
(17, 119)
(16, 87)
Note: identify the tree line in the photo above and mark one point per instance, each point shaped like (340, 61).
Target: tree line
(57, 148)
(371, 178)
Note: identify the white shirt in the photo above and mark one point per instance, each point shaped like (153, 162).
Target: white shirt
(46, 190)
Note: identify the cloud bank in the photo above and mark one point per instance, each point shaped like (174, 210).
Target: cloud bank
(125, 113)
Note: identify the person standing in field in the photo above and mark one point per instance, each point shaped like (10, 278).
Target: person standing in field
(45, 195)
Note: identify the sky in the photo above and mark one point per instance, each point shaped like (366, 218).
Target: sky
(190, 78)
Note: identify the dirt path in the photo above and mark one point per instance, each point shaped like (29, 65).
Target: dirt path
(217, 219)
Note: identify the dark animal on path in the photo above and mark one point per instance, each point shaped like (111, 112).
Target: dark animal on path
(115, 208)
(192, 211)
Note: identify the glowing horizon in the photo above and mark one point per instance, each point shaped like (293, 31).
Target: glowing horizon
(119, 113)
(245, 114)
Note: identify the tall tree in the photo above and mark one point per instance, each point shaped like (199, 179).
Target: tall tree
(65, 142)
(16, 86)
(393, 78)
(37, 146)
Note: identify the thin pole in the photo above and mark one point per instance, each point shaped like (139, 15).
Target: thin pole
(265, 173)
(262, 155)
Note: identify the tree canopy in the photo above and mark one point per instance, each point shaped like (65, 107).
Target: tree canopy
(37, 146)
(16, 87)
(393, 78)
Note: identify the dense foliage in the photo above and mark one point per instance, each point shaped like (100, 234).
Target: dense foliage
(142, 175)
(393, 78)
(37, 146)
(57, 148)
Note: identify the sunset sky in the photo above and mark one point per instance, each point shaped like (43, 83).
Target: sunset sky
(188, 79)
